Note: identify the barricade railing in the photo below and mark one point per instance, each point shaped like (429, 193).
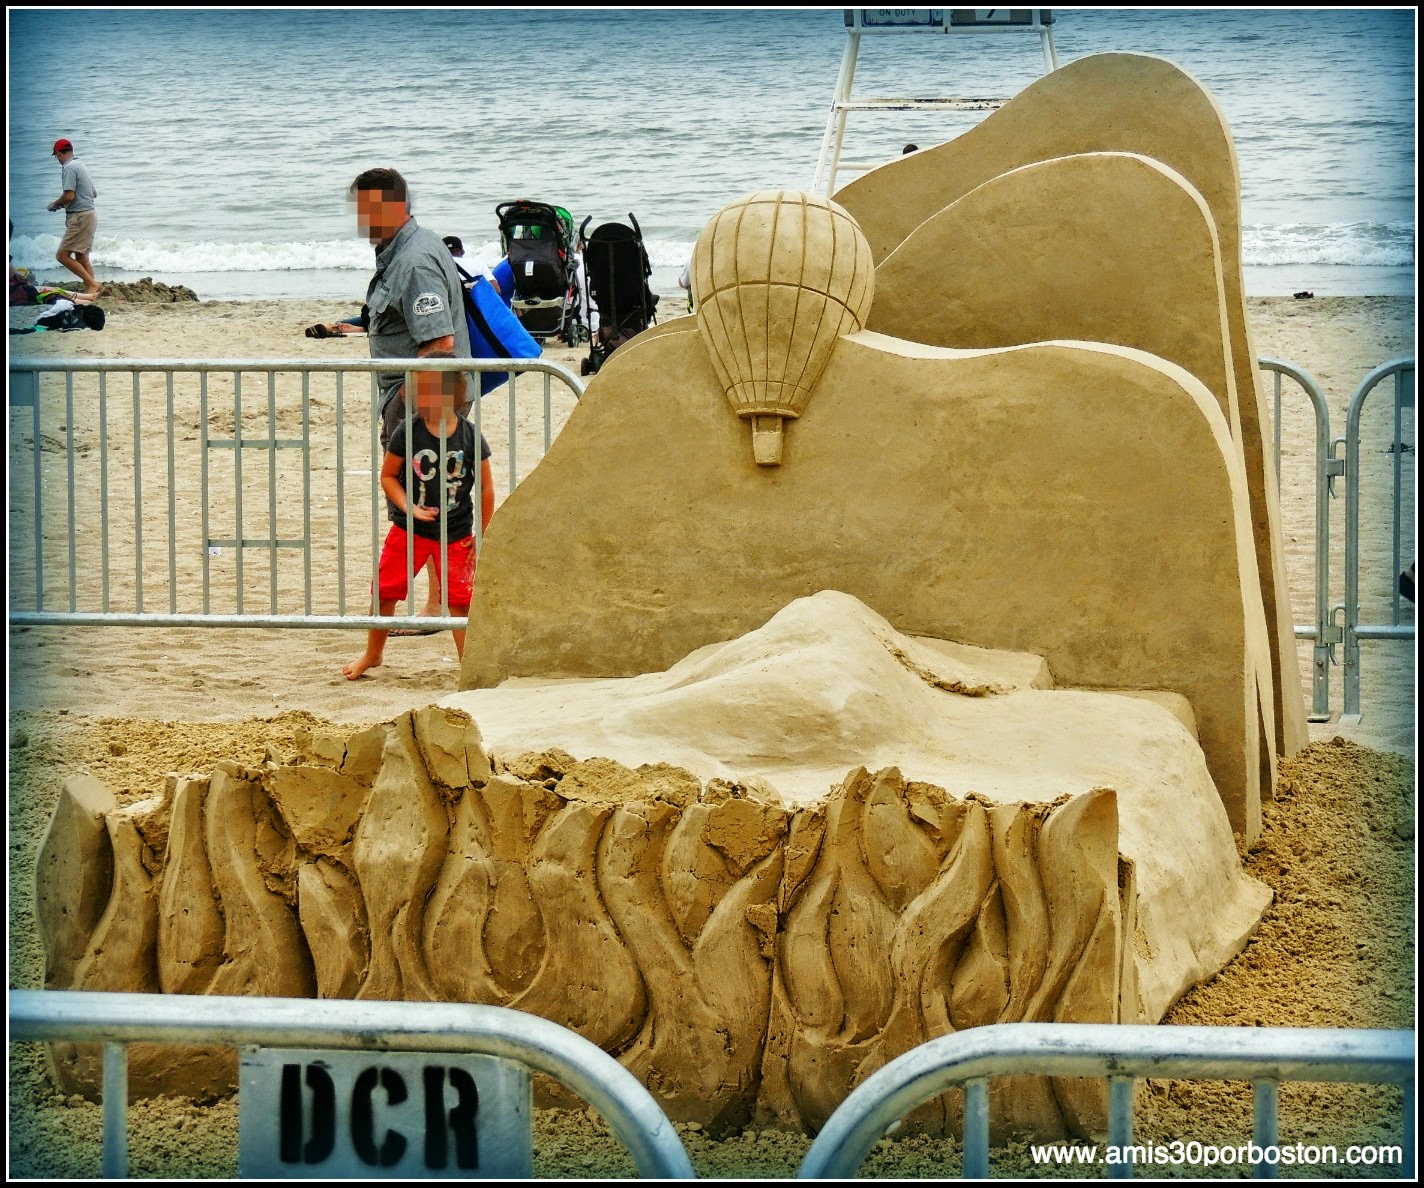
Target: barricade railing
(1265, 1056)
(118, 1020)
(1402, 372)
(1327, 469)
(967, 1060)
(195, 434)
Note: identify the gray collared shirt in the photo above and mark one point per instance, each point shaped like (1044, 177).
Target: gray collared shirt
(415, 297)
(73, 176)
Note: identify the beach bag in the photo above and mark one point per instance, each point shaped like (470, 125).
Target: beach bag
(495, 331)
(23, 291)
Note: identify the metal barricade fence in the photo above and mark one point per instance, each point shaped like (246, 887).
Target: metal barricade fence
(118, 1020)
(1326, 469)
(1119, 1053)
(198, 513)
(1265, 1056)
(1402, 372)
(1340, 623)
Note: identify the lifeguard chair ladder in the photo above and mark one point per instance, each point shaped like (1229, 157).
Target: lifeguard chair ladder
(860, 21)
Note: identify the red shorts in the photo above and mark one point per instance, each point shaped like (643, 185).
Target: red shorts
(394, 586)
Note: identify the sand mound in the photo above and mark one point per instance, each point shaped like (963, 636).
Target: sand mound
(147, 291)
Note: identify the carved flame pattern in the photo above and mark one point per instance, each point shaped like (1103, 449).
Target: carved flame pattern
(744, 961)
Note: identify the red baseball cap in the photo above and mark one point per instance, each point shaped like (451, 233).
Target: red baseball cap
(62, 146)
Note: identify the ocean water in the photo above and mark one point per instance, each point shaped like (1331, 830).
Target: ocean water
(222, 141)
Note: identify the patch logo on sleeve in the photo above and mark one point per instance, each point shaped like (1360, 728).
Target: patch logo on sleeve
(428, 303)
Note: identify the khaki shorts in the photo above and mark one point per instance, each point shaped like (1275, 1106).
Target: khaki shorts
(79, 228)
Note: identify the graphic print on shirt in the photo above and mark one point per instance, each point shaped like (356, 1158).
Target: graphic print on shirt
(426, 467)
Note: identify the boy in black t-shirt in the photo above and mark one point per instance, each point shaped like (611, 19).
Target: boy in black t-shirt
(416, 523)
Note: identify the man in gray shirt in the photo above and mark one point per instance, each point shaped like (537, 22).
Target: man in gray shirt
(81, 220)
(415, 302)
(415, 306)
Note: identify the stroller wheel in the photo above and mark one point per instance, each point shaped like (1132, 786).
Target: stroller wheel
(586, 367)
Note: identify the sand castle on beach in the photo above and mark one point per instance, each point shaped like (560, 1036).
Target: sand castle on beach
(890, 649)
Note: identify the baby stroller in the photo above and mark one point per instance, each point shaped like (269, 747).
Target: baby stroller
(618, 303)
(538, 240)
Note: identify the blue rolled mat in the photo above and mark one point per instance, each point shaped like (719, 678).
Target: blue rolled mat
(495, 333)
(504, 275)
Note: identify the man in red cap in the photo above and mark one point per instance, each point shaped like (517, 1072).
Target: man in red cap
(81, 220)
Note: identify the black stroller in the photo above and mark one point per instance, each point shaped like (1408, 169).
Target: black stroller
(617, 301)
(538, 240)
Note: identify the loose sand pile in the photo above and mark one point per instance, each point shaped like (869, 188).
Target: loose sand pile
(146, 290)
(128, 705)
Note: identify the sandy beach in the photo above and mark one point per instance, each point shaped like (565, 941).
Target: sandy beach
(129, 704)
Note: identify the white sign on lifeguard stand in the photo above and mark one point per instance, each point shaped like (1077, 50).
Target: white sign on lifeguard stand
(861, 21)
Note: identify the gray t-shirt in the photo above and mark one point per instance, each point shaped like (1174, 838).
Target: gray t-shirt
(75, 177)
(414, 297)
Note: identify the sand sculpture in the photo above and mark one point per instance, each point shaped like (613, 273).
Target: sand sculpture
(1012, 262)
(1119, 102)
(719, 791)
(1004, 498)
(750, 947)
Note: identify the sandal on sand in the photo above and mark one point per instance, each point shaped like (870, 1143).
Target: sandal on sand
(407, 632)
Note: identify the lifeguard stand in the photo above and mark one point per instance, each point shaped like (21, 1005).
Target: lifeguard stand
(862, 21)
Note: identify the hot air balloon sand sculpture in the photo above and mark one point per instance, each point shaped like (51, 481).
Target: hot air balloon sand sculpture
(779, 277)
(803, 769)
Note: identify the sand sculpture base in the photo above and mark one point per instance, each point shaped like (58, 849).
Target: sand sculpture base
(751, 948)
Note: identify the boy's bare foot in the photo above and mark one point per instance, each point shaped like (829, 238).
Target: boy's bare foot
(358, 667)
